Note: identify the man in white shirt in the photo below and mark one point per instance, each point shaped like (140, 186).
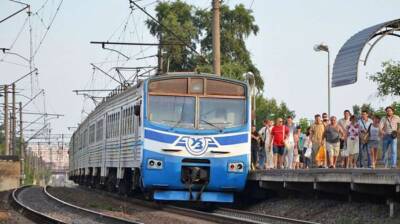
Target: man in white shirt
(389, 129)
(365, 123)
(265, 133)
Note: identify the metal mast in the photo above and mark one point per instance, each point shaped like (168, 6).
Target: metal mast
(216, 4)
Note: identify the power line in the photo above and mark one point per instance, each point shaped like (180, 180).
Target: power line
(17, 12)
(48, 28)
(167, 29)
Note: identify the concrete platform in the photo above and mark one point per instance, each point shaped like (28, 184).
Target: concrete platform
(384, 182)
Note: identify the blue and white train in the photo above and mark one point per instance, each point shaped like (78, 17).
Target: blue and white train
(174, 137)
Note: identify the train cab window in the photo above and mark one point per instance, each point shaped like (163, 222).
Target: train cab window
(221, 88)
(221, 113)
(173, 86)
(176, 111)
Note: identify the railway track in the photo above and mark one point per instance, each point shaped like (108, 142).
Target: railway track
(38, 205)
(258, 217)
(219, 215)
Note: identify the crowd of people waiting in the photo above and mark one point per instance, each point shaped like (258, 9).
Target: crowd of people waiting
(328, 143)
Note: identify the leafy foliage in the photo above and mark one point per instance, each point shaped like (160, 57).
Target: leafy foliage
(364, 107)
(193, 25)
(178, 17)
(304, 124)
(356, 110)
(269, 108)
(388, 79)
(375, 111)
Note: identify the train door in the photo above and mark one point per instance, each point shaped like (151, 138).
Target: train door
(136, 130)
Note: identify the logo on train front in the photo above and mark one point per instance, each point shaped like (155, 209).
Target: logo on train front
(196, 145)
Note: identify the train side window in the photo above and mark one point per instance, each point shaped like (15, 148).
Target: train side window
(99, 130)
(85, 138)
(123, 122)
(92, 133)
(108, 126)
(117, 124)
(112, 125)
(132, 119)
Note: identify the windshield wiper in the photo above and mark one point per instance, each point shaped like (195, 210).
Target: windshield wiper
(212, 124)
(177, 123)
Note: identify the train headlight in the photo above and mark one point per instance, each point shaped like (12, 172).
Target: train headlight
(155, 164)
(236, 167)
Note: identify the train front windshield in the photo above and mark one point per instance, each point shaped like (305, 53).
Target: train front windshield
(197, 103)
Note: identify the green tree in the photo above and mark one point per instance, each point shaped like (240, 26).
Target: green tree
(356, 110)
(304, 124)
(269, 108)
(193, 25)
(179, 18)
(388, 79)
(367, 107)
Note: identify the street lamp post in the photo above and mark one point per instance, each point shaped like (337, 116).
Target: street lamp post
(249, 77)
(324, 47)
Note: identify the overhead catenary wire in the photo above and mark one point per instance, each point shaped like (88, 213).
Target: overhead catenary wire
(168, 30)
(33, 19)
(48, 28)
(17, 37)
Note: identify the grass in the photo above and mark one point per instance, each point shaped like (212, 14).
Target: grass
(103, 207)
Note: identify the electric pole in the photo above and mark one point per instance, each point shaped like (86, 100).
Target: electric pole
(13, 123)
(5, 124)
(21, 146)
(216, 4)
(160, 57)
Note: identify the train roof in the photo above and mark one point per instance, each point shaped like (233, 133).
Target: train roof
(122, 90)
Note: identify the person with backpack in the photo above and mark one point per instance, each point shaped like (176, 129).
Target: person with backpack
(332, 135)
(365, 124)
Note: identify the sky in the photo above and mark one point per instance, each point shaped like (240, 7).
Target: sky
(282, 50)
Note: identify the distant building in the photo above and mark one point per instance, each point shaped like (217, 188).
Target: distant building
(54, 156)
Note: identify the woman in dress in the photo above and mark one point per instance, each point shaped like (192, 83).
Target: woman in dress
(353, 141)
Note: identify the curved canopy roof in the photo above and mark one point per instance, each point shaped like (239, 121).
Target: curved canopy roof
(346, 63)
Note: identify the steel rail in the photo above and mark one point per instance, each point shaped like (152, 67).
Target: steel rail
(40, 217)
(29, 212)
(110, 218)
(209, 216)
(187, 212)
(263, 218)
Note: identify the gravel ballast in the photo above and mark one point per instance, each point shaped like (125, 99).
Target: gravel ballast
(122, 208)
(328, 211)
